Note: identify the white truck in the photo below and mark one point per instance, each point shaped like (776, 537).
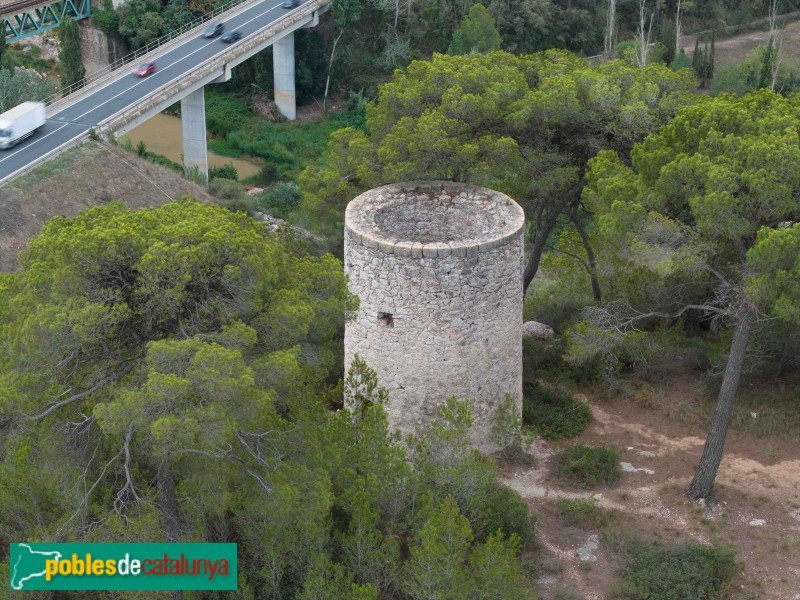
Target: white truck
(20, 122)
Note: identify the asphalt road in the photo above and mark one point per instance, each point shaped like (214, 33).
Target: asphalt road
(76, 119)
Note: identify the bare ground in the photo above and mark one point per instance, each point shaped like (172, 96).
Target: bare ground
(89, 175)
(759, 480)
(733, 51)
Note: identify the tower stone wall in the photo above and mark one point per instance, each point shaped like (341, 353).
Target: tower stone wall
(438, 269)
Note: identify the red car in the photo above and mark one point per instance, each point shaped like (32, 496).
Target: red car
(145, 69)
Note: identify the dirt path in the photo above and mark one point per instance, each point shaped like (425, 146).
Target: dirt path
(758, 508)
(733, 51)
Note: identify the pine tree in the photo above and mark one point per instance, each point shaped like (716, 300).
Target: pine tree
(70, 66)
(696, 56)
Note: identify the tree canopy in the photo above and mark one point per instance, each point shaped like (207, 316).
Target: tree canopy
(710, 210)
(524, 125)
(165, 376)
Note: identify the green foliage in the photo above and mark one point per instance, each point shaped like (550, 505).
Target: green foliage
(711, 198)
(287, 147)
(280, 200)
(226, 189)
(586, 467)
(504, 510)
(519, 124)
(70, 66)
(20, 85)
(580, 513)
(476, 33)
(508, 433)
(659, 572)
(139, 22)
(194, 174)
(225, 113)
(445, 462)
(553, 413)
(106, 18)
(438, 567)
(730, 79)
(226, 171)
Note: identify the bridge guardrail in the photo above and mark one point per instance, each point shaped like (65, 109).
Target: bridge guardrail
(208, 66)
(63, 95)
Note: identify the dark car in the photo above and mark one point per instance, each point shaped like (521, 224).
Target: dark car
(212, 30)
(145, 69)
(290, 3)
(231, 36)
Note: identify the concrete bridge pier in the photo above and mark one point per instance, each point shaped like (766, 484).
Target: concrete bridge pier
(283, 69)
(193, 123)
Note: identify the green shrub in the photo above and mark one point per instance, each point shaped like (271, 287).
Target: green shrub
(226, 189)
(660, 572)
(581, 513)
(227, 171)
(540, 357)
(280, 200)
(553, 413)
(586, 467)
(504, 509)
(225, 113)
(268, 174)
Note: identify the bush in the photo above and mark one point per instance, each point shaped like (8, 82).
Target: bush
(506, 510)
(541, 357)
(280, 200)
(553, 413)
(225, 113)
(581, 513)
(586, 467)
(227, 171)
(226, 189)
(268, 174)
(508, 432)
(660, 572)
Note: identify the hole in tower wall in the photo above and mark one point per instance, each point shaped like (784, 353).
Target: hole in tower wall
(385, 319)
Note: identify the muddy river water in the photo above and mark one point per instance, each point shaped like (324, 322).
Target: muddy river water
(162, 135)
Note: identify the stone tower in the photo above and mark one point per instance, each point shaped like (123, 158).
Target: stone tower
(438, 268)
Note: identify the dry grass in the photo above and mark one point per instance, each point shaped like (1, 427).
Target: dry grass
(733, 51)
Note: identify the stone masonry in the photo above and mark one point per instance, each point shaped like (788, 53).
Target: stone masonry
(438, 269)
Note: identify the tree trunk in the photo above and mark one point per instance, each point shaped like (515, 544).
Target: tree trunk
(534, 257)
(706, 472)
(573, 194)
(168, 503)
(596, 292)
(330, 68)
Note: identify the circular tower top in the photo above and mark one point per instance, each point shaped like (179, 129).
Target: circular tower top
(433, 219)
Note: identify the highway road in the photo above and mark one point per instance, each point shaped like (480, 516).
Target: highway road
(76, 119)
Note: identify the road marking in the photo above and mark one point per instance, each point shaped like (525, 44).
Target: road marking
(175, 63)
(35, 141)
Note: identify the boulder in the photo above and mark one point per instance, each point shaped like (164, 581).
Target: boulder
(537, 331)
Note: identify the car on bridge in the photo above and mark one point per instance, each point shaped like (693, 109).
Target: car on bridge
(145, 69)
(290, 3)
(212, 30)
(231, 36)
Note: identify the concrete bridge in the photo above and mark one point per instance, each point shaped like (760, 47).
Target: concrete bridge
(117, 101)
